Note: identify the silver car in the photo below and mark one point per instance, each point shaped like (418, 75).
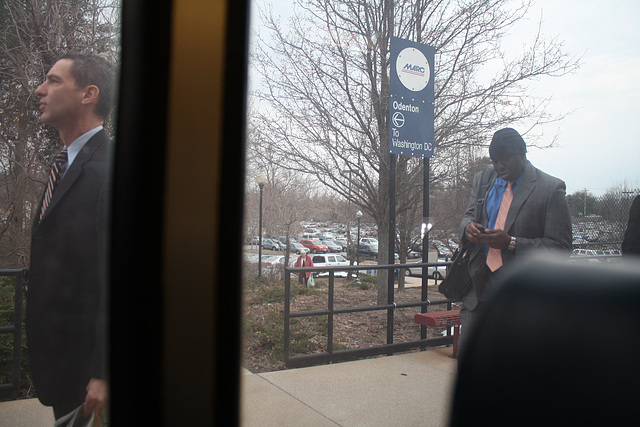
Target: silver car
(333, 246)
(435, 272)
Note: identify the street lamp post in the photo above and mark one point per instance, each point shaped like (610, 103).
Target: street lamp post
(261, 179)
(424, 235)
(358, 215)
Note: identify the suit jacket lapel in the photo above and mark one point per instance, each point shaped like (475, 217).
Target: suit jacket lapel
(525, 187)
(72, 174)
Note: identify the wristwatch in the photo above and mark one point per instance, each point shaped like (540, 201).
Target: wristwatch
(512, 244)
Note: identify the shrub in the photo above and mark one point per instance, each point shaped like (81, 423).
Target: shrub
(7, 318)
(272, 336)
(364, 285)
(305, 333)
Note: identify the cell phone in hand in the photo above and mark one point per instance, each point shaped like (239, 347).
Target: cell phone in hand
(481, 228)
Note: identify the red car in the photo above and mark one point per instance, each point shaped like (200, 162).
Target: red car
(315, 246)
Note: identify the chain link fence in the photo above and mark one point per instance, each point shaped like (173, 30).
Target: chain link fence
(599, 223)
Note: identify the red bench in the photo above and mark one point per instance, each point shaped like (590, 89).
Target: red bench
(442, 319)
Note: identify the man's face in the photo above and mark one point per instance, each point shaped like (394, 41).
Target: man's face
(60, 99)
(510, 168)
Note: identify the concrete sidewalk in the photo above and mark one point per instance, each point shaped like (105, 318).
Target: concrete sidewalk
(25, 413)
(411, 389)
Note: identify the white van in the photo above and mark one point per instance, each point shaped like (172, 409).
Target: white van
(331, 260)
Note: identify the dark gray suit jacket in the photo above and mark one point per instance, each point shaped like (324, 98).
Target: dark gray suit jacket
(67, 276)
(539, 218)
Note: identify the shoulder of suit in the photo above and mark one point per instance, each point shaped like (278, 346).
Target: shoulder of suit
(544, 178)
(486, 172)
(98, 143)
(100, 138)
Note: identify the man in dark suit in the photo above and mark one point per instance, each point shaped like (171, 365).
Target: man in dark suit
(514, 210)
(67, 275)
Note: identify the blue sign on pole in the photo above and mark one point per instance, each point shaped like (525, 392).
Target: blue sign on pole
(411, 98)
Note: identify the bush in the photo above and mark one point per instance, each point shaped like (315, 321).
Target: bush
(269, 328)
(366, 283)
(271, 336)
(268, 291)
(7, 318)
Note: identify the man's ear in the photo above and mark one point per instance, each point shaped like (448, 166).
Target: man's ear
(90, 96)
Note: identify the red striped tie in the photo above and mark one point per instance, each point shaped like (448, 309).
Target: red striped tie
(494, 256)
(54, 177)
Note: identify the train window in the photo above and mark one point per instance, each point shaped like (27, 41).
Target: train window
(58, 85)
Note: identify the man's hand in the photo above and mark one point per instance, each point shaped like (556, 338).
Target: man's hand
(497, 239)
(473, 232)
(97, 396)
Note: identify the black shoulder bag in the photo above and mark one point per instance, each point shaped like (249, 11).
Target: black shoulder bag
(458, 282)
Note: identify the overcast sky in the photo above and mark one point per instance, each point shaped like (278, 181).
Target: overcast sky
(599, 142)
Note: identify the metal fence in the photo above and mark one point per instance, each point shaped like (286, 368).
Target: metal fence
(331, 355)
(599, 223)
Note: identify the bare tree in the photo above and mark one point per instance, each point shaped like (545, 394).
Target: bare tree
(615, 203)
(33, 33)
(323, 92)
(291, 204)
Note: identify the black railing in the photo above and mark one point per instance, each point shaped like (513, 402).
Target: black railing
(15, 329)
(331, 355)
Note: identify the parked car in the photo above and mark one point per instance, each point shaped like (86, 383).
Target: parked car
(589, 254)
(435, 272)
(342, 242)
(613, 252)
(371, 249)
(298, 248)
(414, 254)
(369, 241)
(273, 265)
(584, 252)
(322, 260)
(267, 260)
(331, 260)
(333, 246)
(366, 250)
(278, 260)
(270, 244)
(251, 257)
(309, 236)
(315, 246)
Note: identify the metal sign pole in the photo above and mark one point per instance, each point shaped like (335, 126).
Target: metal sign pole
(393, 168)
(411, 133)
(425, 240)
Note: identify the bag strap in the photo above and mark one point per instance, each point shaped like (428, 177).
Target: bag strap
(486, 183)
(487, 180)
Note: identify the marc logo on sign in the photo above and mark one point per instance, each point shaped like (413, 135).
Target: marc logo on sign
(413, 69)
